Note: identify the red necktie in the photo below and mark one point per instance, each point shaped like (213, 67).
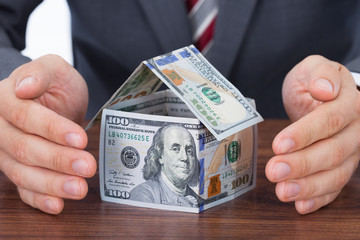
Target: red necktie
(202, 16)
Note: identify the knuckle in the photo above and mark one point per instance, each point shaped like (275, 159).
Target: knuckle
(21, 149)
(50, 186)
(53, 57)
(19, 115)
(338, 154)
(314, 58)
(305, 136)
(329, 67)
(50, 129)
(335, 122)
(301, 69)
(302, 134)
(55, 161)
(305, 166)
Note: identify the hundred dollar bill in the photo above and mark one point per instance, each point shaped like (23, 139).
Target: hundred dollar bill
(207, 93)
(153, 156)
(164, 103)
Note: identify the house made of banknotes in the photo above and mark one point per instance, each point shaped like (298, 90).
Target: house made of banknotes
(187, 148)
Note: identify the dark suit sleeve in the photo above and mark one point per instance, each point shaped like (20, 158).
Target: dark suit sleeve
(354, 65)
(13, 20)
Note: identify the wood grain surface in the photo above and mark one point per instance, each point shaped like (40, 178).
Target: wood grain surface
(257, 214)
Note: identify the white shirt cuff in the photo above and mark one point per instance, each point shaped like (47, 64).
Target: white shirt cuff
(356, 77)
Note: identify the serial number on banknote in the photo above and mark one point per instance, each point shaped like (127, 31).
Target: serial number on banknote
(233, 172)
(131, 136)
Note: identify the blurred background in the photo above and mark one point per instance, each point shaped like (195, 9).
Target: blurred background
(49, 31)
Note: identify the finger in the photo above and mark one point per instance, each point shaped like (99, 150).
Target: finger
(302, 80)
(54, 83)
(326, 120)
(35, 118)
(33, 79)
(31, 87)
(59, 80)
(325, 80)
(43, 202)
(323, 155)
(43, 181)
(311, 205)
(36, 151)
(317, 184)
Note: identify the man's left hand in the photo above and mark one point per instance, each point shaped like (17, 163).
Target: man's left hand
(318, 153)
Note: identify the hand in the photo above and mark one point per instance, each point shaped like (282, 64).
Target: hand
(318, 153)
(40, 143)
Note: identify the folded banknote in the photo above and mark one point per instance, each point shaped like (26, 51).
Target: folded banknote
(208, 94)
(155, 153)
(187, 148)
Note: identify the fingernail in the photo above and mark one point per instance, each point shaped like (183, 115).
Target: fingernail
(308, 205)
(74, 140)
(285, 146)
(25, 82)
(49, 206)
(81, 167)
(292, 189)
(281, 170)
(72, 187)
(324, 85)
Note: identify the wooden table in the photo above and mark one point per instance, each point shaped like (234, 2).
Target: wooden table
(256, 214)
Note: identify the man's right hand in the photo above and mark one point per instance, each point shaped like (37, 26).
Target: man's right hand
(42, 104)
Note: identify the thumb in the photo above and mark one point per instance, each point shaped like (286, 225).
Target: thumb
(31, 87)
(325, 81)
